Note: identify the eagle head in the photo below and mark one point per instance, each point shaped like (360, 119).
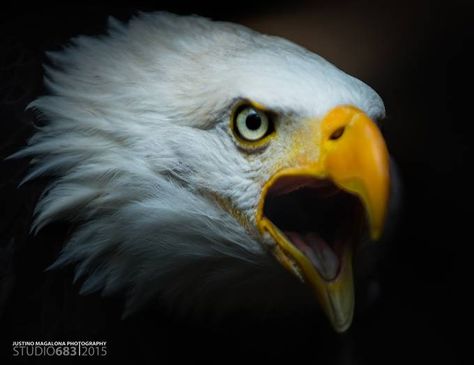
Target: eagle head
(209, 165)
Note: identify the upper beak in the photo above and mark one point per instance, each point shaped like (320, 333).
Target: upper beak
(347, 148)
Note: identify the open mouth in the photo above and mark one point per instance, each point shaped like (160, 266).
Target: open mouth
(318, 218)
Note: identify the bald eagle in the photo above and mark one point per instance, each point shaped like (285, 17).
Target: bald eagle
(209, 166)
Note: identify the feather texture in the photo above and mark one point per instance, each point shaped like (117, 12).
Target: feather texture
(138, 143)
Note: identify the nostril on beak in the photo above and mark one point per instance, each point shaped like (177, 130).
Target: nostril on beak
(337, 133)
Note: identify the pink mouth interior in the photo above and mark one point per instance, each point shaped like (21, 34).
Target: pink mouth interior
(317, 217)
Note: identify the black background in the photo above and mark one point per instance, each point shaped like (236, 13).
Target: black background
(417, 55)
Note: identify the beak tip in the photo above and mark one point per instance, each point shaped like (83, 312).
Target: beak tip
(342, 329)
(342, 324)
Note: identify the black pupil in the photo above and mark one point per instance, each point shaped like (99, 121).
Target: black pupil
(253, 121)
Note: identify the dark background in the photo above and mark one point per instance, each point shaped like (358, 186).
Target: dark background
(417, 55)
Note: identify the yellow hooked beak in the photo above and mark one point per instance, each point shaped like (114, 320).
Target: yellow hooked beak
(346, 149)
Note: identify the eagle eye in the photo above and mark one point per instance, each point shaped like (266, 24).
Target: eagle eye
(251, 124)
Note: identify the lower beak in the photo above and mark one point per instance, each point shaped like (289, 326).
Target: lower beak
(352, 156)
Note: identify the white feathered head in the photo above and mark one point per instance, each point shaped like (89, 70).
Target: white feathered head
(199, 158)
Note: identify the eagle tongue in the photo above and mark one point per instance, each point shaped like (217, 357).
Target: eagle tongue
(318, 251)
